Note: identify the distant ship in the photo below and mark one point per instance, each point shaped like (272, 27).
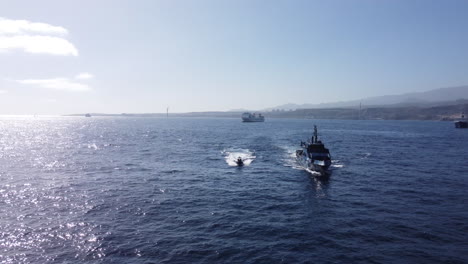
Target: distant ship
(314, 156)
(87, 115)
(252, 117)
(461, 123)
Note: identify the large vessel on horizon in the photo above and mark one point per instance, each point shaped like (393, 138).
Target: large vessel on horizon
(252, 117)
(314, 156)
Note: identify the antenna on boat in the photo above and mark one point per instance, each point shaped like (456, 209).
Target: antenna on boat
(315, 137)
(167, 111)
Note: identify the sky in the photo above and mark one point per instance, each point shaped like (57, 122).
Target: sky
(142, 56)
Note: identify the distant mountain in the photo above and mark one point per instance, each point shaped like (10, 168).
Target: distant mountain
(409, 99)
(240, 110)
(442, 112)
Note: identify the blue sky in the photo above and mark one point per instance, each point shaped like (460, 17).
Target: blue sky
(60, 57)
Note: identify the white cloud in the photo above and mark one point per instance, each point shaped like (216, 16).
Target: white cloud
(84, 76)
(39, 44)
(58, 84)
(34, 37)
(9, 26)
(3, 91)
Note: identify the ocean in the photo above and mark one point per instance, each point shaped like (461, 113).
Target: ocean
(166, 190)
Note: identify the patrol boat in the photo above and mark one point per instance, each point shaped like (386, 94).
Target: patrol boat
(314, 156)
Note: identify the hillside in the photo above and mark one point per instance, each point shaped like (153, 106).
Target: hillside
(445, 112)
(427, 98)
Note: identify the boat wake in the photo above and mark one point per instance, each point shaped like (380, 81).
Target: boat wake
(290, 158)
(337, 164)
(231, 155)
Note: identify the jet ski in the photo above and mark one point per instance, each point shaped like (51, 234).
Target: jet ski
(239, 162)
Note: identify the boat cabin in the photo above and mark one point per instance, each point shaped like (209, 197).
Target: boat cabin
(318, 152)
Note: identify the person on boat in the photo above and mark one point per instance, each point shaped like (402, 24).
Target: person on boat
(240, 161)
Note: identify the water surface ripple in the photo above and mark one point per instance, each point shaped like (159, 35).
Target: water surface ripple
(149, 190)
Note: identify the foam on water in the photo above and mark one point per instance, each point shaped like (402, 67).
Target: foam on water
(337, 164)
(289, 157)
(232, 154)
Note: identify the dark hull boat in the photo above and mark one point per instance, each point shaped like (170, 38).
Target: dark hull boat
(314, 156)
(462, 123)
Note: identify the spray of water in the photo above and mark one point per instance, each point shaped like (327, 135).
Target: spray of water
(232, 154)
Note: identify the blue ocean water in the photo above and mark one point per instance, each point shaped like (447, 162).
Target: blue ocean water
(164, 190)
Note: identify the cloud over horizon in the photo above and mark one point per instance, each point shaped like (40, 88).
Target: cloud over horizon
(34, 37)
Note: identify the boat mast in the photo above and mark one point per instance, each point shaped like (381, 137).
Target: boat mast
(315, 137)
(167, 111)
